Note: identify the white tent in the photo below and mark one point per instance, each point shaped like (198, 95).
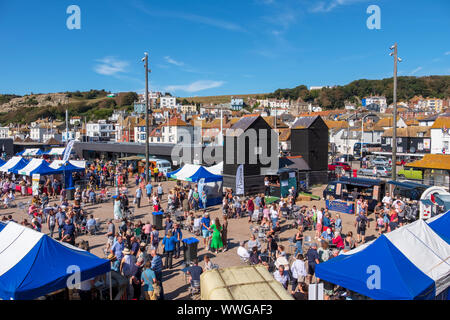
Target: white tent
(216, 169)
(56, 164)
(56, 151)
(186, 171)
(10, 164)
(31, 166)
(31, 152)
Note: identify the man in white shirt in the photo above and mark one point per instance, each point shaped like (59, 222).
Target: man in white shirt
(387, 199)
(242, 252)
(298, 270)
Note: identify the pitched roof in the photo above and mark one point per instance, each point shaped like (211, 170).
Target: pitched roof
(432, 161)
(176, 122)
(285, 134)
(336, 124)
(441, 122)
(304, 122)
(411, 131)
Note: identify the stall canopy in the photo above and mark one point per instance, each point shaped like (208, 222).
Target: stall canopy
(193, 173)
(55, 151)
(30, 152)
(71, 165)
(216, 169)
(441, 225)
(33, 264)
(38, 166)
(13, 163)
(410, 263)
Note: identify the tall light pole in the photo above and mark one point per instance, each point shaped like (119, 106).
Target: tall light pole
(147, 155)
(394, 133)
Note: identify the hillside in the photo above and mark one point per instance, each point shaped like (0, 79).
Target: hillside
(95, 104)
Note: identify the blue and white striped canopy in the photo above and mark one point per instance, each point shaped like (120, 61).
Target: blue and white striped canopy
(32, 264)
(413, 262)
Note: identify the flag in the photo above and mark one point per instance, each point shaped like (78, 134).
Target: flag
(240, 180)
(68, 150)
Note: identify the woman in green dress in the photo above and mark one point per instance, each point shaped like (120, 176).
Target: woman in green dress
(216, 241)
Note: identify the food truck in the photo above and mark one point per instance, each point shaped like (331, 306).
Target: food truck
(341, 191)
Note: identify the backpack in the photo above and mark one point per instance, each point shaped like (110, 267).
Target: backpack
(362, 222)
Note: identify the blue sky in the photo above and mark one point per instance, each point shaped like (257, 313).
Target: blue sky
(212, 47)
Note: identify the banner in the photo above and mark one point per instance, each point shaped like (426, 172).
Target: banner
(200, 186)
(340, 206)
(240, 180)
(68, 150)
(35, 183)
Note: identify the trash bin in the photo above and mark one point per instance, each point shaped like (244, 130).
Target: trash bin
(158, 220)
(190, 250)
(70, 193)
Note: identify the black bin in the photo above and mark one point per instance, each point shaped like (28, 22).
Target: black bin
(158, 220)
(70, 194)
(190, 250)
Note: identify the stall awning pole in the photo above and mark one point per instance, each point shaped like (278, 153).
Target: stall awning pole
(110, 286)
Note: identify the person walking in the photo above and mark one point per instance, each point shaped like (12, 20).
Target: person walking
(225, 233)
(216, 241)
(148, 279)
(138, 197)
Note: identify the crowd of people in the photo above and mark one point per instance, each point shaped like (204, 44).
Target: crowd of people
(139, 252)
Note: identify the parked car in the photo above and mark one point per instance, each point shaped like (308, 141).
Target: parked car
(380, 161)
(344, 165)
(380, 171)
(410, 174)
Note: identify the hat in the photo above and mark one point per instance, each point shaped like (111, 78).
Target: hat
(143, 244)
(313, 245)
(282, 261)
(126, 251)
(111, 257)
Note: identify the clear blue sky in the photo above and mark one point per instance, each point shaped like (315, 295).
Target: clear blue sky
(211, 47)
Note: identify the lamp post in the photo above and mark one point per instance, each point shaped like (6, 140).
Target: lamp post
(394, 125)
(147, 156)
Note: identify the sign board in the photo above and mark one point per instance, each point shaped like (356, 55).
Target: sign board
(315, 291)
(340, 206)
(376, 192)
(35, 183)
(338, 189)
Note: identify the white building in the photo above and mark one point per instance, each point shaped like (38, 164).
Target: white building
(168, 102)
(67, 136)
(175, 131)
(374, 99)
(4, 132)
(52, 134)
(100, 131)
(37, 133)
(440, 136)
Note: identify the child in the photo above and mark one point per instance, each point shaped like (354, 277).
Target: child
(380, 224)
(338, 224)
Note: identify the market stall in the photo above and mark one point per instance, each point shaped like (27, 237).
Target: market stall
(209, 182)
(32, 264)
(409, 263)
(38, 166)
(14, 162)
